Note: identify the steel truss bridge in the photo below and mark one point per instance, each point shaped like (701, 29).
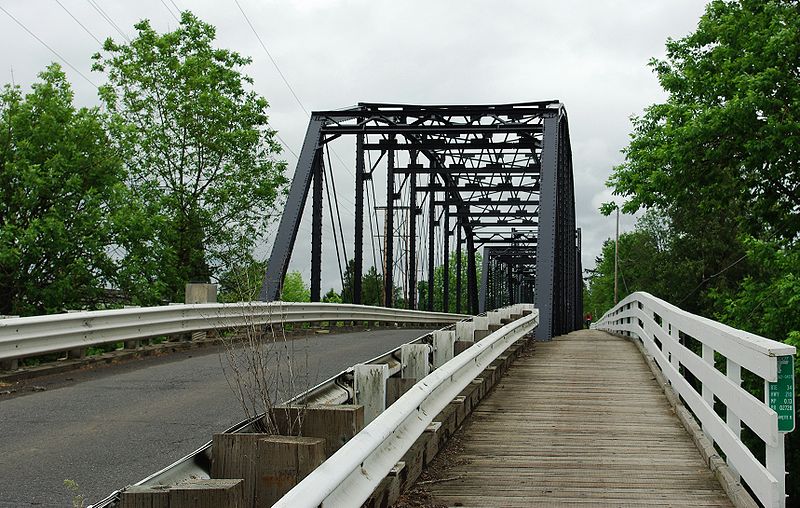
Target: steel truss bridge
(453, 180)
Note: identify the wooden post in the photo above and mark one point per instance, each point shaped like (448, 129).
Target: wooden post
(207, 494)
(235, 456)
(370, 387)
(414, 360)
(443, 342)
(150, 496)
(337, 424)
(396, 387)
(284, 462)
(11, 364)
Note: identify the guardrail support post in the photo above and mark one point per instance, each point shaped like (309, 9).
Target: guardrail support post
(76, 353)
(465, 331)
(10, 364)
(197, 293)
(414, 360)
(443, 347)
(481, 327)
(207, 494)
(370, 387)
(284, 462)
(337, 424)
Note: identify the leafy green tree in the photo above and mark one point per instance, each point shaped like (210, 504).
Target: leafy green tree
(60, 184)
(294, 288)
(438, 284)
(726, 135)
(332, 297)
(197, 145)
(719, 159)
(241, 279)
(372, 287)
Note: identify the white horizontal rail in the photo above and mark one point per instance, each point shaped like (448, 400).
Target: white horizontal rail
(351, 474)
(660, 326)
(37, 335)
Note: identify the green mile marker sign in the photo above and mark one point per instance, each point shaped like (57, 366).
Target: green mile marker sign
(781, 394)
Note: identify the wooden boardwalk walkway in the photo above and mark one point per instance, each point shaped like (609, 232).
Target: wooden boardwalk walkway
(581, 421)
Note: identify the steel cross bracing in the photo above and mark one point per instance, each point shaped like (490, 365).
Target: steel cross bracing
(454, 180)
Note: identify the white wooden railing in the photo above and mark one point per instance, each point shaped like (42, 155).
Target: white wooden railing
(663, 329)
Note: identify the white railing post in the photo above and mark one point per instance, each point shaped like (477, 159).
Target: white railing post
(708, 395)
(776, 458)
(734, 373)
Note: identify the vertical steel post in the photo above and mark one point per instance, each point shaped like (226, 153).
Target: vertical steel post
(292, 213)
(472, 275)
(358, 261)
(446, 260)
(484, 291)
(388, 234)
(412, 235)
(431, 230)
(316, 230)
(546, 246)
(458, 264)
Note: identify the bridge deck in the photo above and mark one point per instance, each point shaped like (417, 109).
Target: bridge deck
(581, 421)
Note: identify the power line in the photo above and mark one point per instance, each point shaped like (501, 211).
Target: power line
(108, 19)
(48, 47)
(264, 47)
(170, 10)
(176, 6)
(283, 77)
(79, 23)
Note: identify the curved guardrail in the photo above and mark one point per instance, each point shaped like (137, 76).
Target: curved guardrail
(351, 474)
(669, 334)
(38, 335)
(339, 389)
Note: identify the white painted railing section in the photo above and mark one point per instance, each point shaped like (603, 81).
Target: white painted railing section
(659, 325)
(37, 335)
(350, 475)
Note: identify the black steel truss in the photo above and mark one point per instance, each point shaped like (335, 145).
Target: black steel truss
(496, 177)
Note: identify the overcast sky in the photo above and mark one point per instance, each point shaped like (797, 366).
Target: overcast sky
(590, 55)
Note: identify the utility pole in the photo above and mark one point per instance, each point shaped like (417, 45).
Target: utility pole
(616, 262)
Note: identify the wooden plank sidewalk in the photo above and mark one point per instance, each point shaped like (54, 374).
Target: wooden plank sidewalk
(581, 421)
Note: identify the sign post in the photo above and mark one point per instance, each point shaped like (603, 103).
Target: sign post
(781, 394)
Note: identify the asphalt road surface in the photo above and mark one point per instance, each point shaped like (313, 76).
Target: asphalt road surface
(109, 427)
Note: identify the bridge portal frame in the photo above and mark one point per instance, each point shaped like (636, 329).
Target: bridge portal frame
(498, 177)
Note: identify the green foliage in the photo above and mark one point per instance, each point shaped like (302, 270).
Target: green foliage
(332, 297)
(372, 287)
(199, 150)
(241, 279)
(726, 135)
(78, 500)
(61, 184)
(718, 161)
(438, 285)
(294, 289)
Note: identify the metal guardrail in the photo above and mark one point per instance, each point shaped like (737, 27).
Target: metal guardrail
(351, 474)
(37, 335)
(666, 331)
(339, 388)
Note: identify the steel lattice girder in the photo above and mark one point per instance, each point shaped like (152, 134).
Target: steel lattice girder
(496, 176)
